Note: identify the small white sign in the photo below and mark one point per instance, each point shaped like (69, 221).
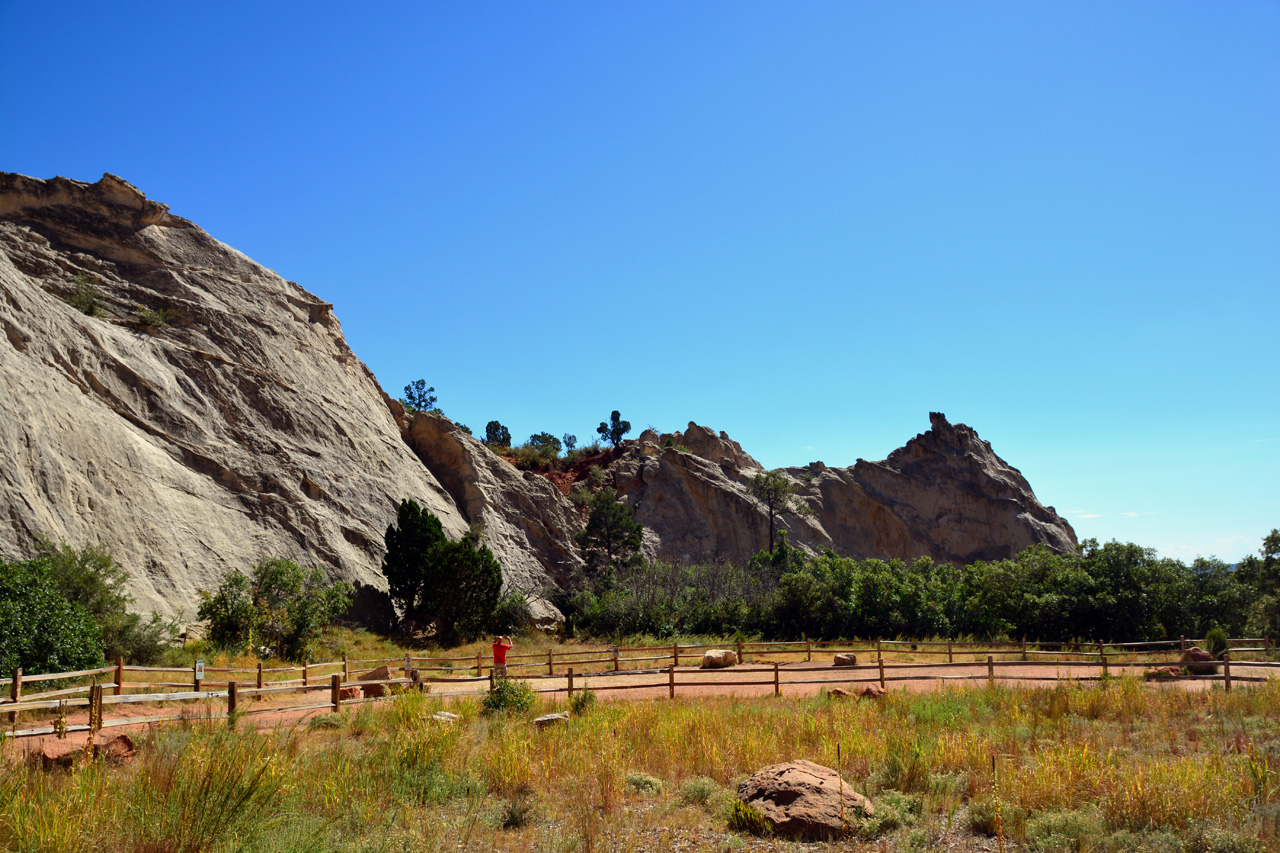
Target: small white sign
(199, 670)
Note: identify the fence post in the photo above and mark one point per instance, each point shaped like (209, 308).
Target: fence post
(346, 668)
(195, 680)
(335, 692)
(882, 684)
(1183, 641)
(950, 659)
(259, 675)
(493, 678)
(1105, 671)
(616, 666)
(1267, 639)
(480, 667)
(1024, 648)
(671, 682)
(119, 675)
(777, 683)
(675, 654)
(808, 651)
(232, 697)
(408, 665)
(304, 673)
(570, 682)
(991, 671)
(740, 659)
(551, 667)
(15, 692)
(1226, 670)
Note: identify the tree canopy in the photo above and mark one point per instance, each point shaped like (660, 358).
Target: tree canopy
(496, 435)
(454, 587)
(777, 494)
(418, 397)
(615, 429)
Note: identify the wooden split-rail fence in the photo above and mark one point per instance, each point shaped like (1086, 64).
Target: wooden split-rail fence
(774, 665)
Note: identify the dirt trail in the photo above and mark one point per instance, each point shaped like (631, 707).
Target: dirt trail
(691, 683)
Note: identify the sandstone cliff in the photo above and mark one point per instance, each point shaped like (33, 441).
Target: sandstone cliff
(945, 495)
(229, 423)
(209, 413)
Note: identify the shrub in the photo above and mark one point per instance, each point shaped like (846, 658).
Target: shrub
(644, 783)
(281, 608)
(85, 298)
(698, 791)
(582, 702)
(91, 577)
(40, 630)
(508, 695)
(1064, 832)
(1216, 642)
(747, 818)
(157, 318)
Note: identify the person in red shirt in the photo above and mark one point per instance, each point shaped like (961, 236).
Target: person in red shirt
(500, 648)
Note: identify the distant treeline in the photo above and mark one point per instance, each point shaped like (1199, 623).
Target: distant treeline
(1115, 592)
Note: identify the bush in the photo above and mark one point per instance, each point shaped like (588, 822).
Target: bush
(85, 298)
(508, 695)
(91, 577)
(582, 702)
(40, 630)
(279, 610)
(1217, 643)
(747, 818)
(644, 783)
(698, 791)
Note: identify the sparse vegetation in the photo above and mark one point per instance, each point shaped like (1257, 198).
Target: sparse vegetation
(156, 318)
(418, 397)
(1121, 768)
(86, 298)
(615, 429)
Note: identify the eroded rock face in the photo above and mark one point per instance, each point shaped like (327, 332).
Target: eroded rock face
(945, 495)
(243, 429)
(527, 522)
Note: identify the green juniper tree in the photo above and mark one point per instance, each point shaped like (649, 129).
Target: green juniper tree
(615, 429)
(777, 494)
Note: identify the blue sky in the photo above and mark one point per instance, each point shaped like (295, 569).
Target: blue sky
(805, 224)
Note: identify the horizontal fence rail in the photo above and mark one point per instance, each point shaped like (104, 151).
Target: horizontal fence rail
(758, 666)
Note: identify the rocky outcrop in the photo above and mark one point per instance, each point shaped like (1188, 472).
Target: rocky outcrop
(524, 517)
(207, 415)
(945, 495)
(170, 398)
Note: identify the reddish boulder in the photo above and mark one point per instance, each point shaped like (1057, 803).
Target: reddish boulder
(350, 693)
(805, 800)
(871, 691)
(1200, 662)
(373, 691)
(839, 693)
(63, 755)
(1163, 673)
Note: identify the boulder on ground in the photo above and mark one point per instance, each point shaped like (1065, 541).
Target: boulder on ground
(547, 720)
(350, 693)
(839, 693)
(445, 717)
(718, 658)
(845, 659)
(63, 755)
(373, 691)
(1163, 673)
(1199, 661)
(805, 800)
(871, 691)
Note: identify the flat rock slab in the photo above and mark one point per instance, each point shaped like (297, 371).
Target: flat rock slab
(548, 720)
(63, 755)
(445, 717)
(805, 800)
(373, 691)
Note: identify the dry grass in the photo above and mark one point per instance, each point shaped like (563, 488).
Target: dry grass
(1100, 765)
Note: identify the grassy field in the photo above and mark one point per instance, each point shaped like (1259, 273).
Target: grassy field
(1114, 767)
